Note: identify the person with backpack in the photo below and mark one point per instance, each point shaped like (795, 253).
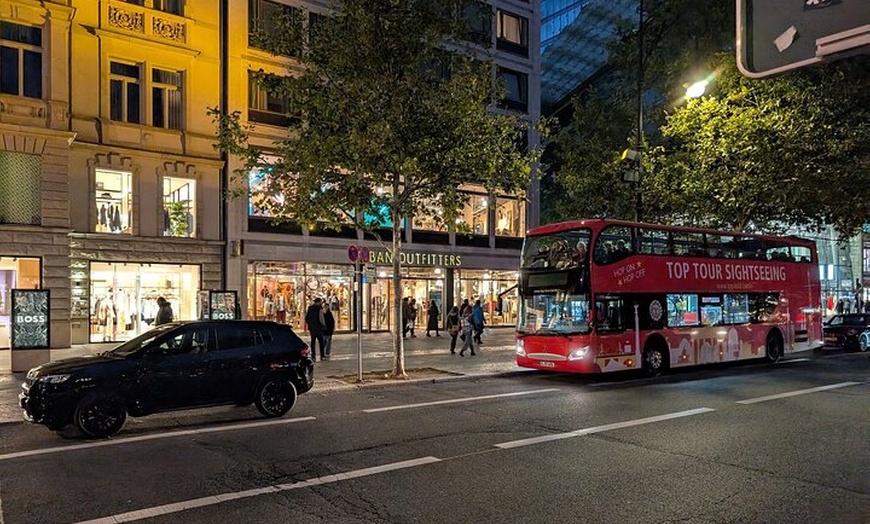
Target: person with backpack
(477, 320)
(315, 321)
(466, 325)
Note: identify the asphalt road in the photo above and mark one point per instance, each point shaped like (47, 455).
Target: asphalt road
(746, 443)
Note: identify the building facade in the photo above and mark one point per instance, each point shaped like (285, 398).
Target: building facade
(108, 150)
(279, 270)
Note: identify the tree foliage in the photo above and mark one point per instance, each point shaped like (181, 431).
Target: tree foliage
(393, 115)
(764, 154)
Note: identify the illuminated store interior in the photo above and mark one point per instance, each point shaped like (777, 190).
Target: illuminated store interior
(15, 273)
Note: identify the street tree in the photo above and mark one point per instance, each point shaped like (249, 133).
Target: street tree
(764, 154)
(394, 110)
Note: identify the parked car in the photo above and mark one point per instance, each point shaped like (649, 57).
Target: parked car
(842, 331)
(173, 366)
(864, 341)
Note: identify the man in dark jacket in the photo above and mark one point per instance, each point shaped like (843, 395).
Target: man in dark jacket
(164, 312)
(315, 322)
(328, 328)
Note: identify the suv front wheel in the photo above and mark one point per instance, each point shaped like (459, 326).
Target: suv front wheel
(100, 415)
(275, 396)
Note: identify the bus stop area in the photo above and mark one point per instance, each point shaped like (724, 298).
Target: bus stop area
(426, 358)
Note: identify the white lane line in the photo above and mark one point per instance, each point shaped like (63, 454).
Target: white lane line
(459, 400)
(184, 505)
(599, 429)
(796, 393)
(156, 436)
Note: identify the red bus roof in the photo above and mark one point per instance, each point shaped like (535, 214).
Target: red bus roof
(597, 224)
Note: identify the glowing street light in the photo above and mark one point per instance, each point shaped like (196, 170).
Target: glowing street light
(697, 89)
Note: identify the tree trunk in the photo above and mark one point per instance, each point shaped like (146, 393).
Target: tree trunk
(398, 334)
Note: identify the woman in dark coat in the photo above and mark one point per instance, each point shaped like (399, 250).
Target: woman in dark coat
(432, 323)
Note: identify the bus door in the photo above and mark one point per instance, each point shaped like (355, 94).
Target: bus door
(614, 324)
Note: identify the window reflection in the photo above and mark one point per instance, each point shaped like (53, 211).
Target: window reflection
(510, 217)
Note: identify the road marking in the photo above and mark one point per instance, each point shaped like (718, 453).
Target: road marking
(459, 400)
(796, 393)
(177, 507)
(600, 429)
(156, 436)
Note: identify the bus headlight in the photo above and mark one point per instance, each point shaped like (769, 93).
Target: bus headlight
(579, 353)
(521, 350)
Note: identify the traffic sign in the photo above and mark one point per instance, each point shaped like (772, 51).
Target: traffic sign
(364, 254)
(352, 253)
(774, 36)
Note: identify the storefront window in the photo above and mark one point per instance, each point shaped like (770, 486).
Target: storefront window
(510, 217)
(15, 273)
(123, 299)
(179, 207)
(114, 201)
(282, 291)
(474, 217)
(424, 285)
(496, 290)
(262, 203)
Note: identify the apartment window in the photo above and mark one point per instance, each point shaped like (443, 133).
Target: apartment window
(134, 2)
(20, 60)
(478, 15)
(265, 106)
(166, 110)
(179, 207)
(113, 195)
(517, 86)
(264, 17)
(125, 96)
(175, 7)
(513, 33)
(21, 180)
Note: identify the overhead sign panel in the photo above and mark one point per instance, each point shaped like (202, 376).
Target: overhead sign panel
(774, 36)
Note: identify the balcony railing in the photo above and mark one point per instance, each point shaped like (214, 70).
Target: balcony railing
(150, 23)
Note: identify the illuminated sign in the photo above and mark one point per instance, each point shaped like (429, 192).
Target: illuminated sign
(222, 305)
(30, 319)
(383, 258)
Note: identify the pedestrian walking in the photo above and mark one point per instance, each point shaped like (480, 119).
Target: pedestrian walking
(315, 322)
(164, 312)
(406, 317)
(433, 320)
(412, 316)
(328, 329)
(464, 308)
(467, 327)
(453, 328)
(477, 320)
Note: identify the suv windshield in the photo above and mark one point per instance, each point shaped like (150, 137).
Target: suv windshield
(556, 313)
(136, 344)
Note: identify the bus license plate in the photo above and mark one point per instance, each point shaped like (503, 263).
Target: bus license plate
(548, 364)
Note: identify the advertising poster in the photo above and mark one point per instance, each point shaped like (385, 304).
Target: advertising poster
(30, 319)
(223, 304)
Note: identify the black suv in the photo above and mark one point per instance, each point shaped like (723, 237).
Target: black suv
(842, 331)
(173, 366)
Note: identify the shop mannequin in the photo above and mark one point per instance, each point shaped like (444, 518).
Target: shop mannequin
(107, 318)
(280, 310)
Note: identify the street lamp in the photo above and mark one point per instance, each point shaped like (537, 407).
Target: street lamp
(697, 89)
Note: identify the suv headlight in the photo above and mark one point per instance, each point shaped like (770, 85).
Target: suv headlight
(54, 379)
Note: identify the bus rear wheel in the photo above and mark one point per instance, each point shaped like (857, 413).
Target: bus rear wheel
(655, 360)
(774, 347)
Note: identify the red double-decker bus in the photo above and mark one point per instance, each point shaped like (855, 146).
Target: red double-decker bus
(608, 295)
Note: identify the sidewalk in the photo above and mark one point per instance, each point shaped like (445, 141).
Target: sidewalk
(496, 356)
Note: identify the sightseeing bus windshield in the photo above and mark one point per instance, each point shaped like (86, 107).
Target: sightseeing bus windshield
(563, 250)
(554, 313)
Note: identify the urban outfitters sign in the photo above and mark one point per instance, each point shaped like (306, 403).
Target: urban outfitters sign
(30, 319)
(383, 258)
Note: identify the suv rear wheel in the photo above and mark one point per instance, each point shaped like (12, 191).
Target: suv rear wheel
(100, 415)
(275, 396)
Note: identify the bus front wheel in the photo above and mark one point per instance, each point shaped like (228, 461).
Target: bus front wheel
(655, 360)
(774, 347)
